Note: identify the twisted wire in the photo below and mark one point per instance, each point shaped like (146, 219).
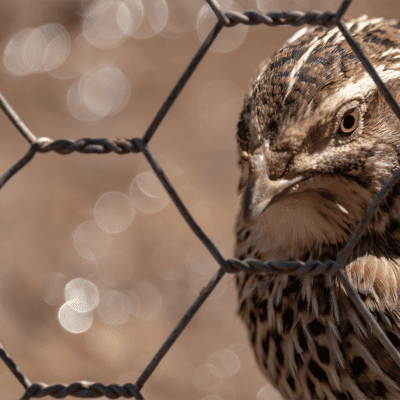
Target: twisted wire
(82, 389)
(232, 265)
(278, 18)
(13, 368)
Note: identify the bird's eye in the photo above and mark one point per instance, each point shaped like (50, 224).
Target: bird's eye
(349, 122)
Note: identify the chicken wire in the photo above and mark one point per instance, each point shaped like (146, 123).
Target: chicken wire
(231, 265)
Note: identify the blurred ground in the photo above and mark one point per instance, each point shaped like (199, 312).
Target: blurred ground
(155, 266)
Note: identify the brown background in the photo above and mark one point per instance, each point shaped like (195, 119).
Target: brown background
(43, 204)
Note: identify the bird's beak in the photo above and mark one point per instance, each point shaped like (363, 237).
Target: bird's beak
(260, 190)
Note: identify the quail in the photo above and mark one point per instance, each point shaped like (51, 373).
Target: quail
(317, 141)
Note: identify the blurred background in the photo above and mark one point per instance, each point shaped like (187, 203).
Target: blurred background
(96, 264)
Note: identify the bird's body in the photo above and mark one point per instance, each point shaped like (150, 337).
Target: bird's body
(317, 142)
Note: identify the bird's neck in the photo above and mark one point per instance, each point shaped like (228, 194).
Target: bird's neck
(314, 231)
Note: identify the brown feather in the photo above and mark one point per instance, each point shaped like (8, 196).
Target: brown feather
(308, 176)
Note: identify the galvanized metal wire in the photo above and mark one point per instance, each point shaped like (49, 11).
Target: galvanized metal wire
(136, 145)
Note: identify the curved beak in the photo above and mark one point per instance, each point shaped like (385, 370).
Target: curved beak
(260, 190)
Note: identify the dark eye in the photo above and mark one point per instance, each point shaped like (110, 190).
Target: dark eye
(349, 122)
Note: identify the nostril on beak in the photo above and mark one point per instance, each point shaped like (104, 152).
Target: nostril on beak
(261, 187)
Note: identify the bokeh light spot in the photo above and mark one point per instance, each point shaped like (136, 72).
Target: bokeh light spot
(100, 93)
(73, 321)
(147, 193)
(33, 50)
(154, 21)
(207, 377)
(85, 294)
(245, 355)
(114, 212)
(92, 242)
(105, 91)
(229, 39)
(267, 392)
(226, 361)
(200, 259)
(107, 23)
(77, 62)
(58, 46)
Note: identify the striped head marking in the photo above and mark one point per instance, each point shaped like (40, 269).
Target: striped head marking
(314, 74)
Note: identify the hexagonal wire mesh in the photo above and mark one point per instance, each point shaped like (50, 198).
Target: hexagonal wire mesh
(136, 145)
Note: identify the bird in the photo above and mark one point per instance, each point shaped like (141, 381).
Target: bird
(316, 142)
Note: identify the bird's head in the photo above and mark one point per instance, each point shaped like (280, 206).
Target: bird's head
(317, 141)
